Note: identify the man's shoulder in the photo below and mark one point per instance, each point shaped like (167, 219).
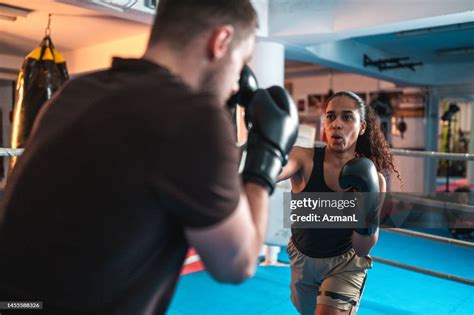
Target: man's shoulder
(133, 74)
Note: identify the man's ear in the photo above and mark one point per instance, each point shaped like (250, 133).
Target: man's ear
(220, 40)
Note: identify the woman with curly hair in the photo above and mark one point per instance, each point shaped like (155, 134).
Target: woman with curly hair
(329, 266)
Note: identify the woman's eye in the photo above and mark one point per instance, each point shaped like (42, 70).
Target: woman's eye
(347, 117)
(330, 116)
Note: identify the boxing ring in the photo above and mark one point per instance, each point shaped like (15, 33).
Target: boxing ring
(414, 272)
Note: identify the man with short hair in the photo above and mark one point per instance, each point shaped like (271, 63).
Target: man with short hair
(128, 167)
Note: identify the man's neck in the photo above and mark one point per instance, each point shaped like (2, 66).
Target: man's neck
(184, 65)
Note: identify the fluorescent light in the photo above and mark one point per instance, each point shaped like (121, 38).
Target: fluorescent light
(108, 5)
(437, 29)
(455, 51)
(10, 10)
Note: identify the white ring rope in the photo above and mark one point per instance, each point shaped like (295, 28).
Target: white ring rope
(435, 155)
(10, 152)
(412, 153)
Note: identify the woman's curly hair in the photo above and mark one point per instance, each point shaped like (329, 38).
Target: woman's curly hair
(372, 144)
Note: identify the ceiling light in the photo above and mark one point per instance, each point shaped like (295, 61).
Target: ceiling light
(455, 51)
(111, 4)
(10, 12)
(437, 29)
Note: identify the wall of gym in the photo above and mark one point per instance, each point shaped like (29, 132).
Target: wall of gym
(96, 57)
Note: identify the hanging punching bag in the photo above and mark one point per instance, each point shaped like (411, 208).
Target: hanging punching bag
(43, 72)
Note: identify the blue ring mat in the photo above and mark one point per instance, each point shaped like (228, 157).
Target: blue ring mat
(389, 290)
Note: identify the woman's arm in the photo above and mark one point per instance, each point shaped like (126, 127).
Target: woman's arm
(294, 164)
(363, 244)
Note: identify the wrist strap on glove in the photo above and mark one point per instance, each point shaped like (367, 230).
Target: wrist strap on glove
(263, 163)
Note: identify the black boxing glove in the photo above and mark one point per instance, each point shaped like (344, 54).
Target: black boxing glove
(247, 86)
(361, 174)
(273, 120)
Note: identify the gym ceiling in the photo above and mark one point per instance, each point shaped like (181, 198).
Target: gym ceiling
(409, 42)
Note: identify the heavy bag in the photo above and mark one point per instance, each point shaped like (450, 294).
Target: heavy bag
(43, 72)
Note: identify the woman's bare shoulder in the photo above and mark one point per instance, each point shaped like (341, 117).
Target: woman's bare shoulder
(302, 153)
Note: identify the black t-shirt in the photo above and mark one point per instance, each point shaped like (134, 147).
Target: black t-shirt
(119, 163)
(320, 243)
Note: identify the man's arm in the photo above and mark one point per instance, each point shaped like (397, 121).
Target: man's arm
(230, 248)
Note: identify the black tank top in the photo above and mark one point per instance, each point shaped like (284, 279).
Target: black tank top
(320, 243)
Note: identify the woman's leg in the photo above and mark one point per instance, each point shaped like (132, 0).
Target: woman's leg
(303, 288)
(341, 290)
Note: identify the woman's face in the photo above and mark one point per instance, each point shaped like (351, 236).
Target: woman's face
(342, 124)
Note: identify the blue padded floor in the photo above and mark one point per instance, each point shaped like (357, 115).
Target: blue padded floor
(428, 254)
(266, 293)
(389, 290)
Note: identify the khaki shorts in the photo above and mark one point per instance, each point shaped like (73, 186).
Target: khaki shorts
(335, 281)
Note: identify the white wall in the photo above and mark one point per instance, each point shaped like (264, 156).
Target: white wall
(411, 172)
(320, 84)
(413, 137)
(10, 66)
(100, 56)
